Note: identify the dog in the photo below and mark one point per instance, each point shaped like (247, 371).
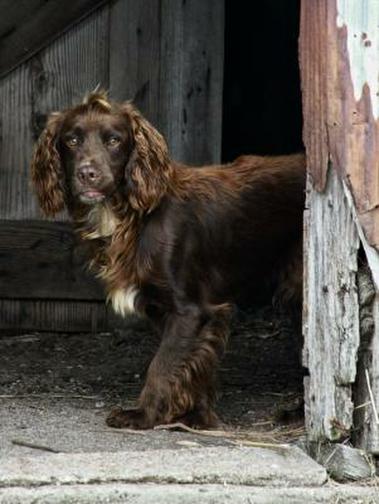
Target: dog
(179, 245)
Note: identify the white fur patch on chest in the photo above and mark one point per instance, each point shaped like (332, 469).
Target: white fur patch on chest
(123, 300)
(103, 221)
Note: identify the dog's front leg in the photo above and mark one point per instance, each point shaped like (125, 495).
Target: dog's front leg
(180, 379)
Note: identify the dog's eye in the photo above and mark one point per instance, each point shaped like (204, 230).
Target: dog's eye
(113, 141)
(72, 141)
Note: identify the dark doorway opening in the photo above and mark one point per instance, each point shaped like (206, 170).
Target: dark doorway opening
(262, 114)
(262, 100)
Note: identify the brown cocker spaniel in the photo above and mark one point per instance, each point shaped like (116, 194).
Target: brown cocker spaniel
(177, 244)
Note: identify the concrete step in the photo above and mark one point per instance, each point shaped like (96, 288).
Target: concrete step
(152, 493)
(283, 466)
(205, 475)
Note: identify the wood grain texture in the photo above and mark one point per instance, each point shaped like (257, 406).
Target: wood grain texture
(366, 429)
(371, 433)
(331, 311)
(312, 59)
(16, 142)
(168, 57)
(43, 260)
(18, 315)
(191, 79)
(135, 54)
(26, 26)
(366, 425)
(54, 79)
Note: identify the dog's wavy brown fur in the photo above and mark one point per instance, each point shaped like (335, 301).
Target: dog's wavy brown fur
(187, 239)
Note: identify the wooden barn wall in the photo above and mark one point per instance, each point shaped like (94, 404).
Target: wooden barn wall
(26, 26)
(168, 57)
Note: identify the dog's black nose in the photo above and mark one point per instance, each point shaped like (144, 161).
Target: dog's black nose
(88, 173)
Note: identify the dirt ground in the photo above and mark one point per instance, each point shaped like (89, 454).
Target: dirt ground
(260, 378)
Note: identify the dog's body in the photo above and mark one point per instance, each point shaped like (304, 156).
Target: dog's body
(178, 244)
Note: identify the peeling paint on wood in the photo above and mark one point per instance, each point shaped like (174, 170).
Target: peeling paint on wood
(340, 99)
(361, 19)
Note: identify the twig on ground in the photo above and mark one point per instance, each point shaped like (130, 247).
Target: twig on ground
(363, 405)
(236, 438)
(375, 411)
(35, 446)
(182, 426)
(122, 431)
(257, 444)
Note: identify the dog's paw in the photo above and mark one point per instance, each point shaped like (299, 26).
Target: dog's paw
(131, 419)
(201, 419)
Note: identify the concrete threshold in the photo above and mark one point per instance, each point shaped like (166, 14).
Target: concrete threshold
(214, 475)
(281, 466)
(150, 493)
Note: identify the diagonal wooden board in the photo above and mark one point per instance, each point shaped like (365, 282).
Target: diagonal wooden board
(29, 25)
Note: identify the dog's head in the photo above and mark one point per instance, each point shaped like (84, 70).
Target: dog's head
(87, 153)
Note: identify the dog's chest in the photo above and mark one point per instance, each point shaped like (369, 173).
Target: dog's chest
(103, 224)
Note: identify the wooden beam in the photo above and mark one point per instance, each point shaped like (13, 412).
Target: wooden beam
(27, 26)
(20, 315)
(191, 78)
(41, 260)
(135, 54)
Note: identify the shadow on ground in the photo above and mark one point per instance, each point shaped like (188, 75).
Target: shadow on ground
(57, 388)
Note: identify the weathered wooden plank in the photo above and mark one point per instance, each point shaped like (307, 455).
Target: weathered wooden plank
(135, 54)
(366, 428)
(331, 321)
(58, 316)
(191, 78)
(43, 260)
(168, 57)
(53, 79)
(28, 25)
(312, 59)
(366, 424)
(371, 433)
(15, 143)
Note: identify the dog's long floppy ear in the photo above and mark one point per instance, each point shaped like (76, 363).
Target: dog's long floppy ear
(148, 171)
(47, 175)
